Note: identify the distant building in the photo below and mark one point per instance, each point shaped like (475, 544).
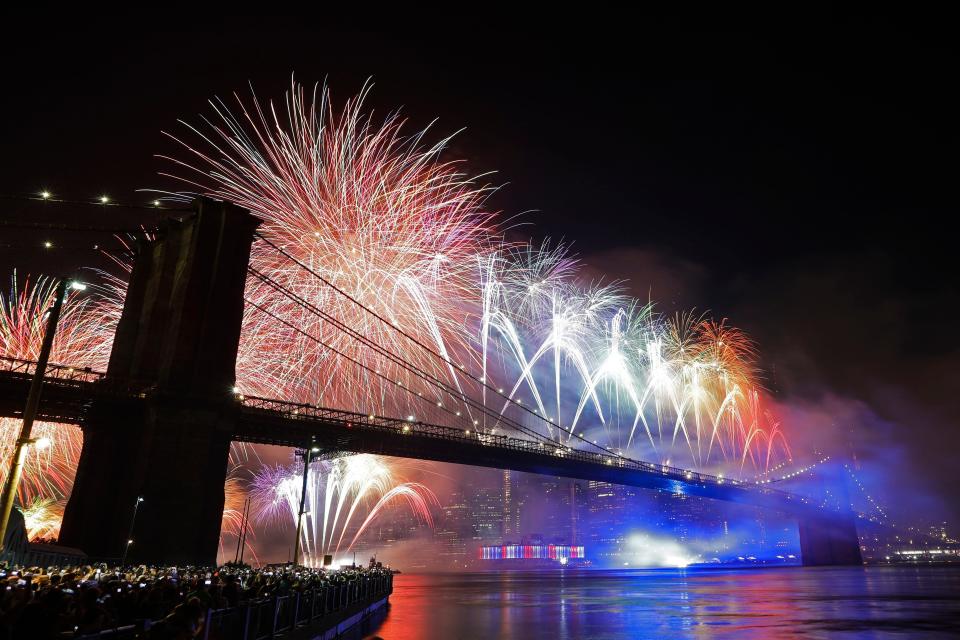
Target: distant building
(884, 543)
(452, 532)
(486, 512)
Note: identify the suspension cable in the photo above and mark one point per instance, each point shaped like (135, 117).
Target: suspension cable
(423, 346)
(340, 353)
(396, 359)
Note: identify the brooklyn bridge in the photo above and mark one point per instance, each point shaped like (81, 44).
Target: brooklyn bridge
(160, 420)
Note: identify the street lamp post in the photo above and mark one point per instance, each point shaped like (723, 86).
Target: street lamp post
(308, 455)
(9, 493)
(133, 521)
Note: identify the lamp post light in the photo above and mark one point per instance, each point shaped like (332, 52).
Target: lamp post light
(9, 493)
(39, 443)
(308, 456)
(133, 521)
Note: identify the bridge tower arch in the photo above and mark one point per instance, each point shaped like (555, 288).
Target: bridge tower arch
(177, 340)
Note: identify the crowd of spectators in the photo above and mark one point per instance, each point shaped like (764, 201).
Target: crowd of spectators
(172, 602)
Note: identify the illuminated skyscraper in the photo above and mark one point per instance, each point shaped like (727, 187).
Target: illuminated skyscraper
(486, 513)
(453, 531)
(512, 502)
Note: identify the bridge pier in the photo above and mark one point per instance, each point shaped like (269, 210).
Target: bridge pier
(829, 540)
(177, 340)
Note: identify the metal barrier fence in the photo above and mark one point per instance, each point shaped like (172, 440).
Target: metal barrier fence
(273, 616)
(126, 632)
(269, 617)
(35, 555)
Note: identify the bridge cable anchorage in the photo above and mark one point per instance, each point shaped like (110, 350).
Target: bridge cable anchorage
(394, 358)
(427, 348)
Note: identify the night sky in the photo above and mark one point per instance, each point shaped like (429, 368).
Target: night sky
(801, 185)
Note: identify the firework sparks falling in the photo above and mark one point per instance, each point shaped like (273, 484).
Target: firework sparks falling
(339, 494)
(596, 363)
(233, 523)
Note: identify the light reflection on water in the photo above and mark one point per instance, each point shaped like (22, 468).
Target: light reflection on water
(849, 602)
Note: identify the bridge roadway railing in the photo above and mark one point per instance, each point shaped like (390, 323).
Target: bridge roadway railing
(54, 374)
(67, 389)
(69, 377)
(350, 419)
(77, 377)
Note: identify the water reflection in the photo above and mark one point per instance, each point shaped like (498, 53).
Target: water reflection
(857, 602)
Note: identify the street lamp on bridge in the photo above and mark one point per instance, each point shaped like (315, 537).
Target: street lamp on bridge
(133, 521)
(308, 456)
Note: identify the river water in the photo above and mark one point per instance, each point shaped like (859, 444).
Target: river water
(849, 602)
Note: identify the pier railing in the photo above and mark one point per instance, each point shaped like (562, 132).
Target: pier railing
(279, 614)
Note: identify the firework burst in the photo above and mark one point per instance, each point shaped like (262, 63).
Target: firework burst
(343, 498)
(42, 518)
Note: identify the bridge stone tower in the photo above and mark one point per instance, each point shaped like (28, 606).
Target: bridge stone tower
(176, 341)
(829, 541)
(831, 538)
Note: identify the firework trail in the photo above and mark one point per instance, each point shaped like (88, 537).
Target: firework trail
(339, 493)
(599, 364)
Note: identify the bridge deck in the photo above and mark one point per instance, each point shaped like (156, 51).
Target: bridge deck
(291, 424)
(69, 391)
